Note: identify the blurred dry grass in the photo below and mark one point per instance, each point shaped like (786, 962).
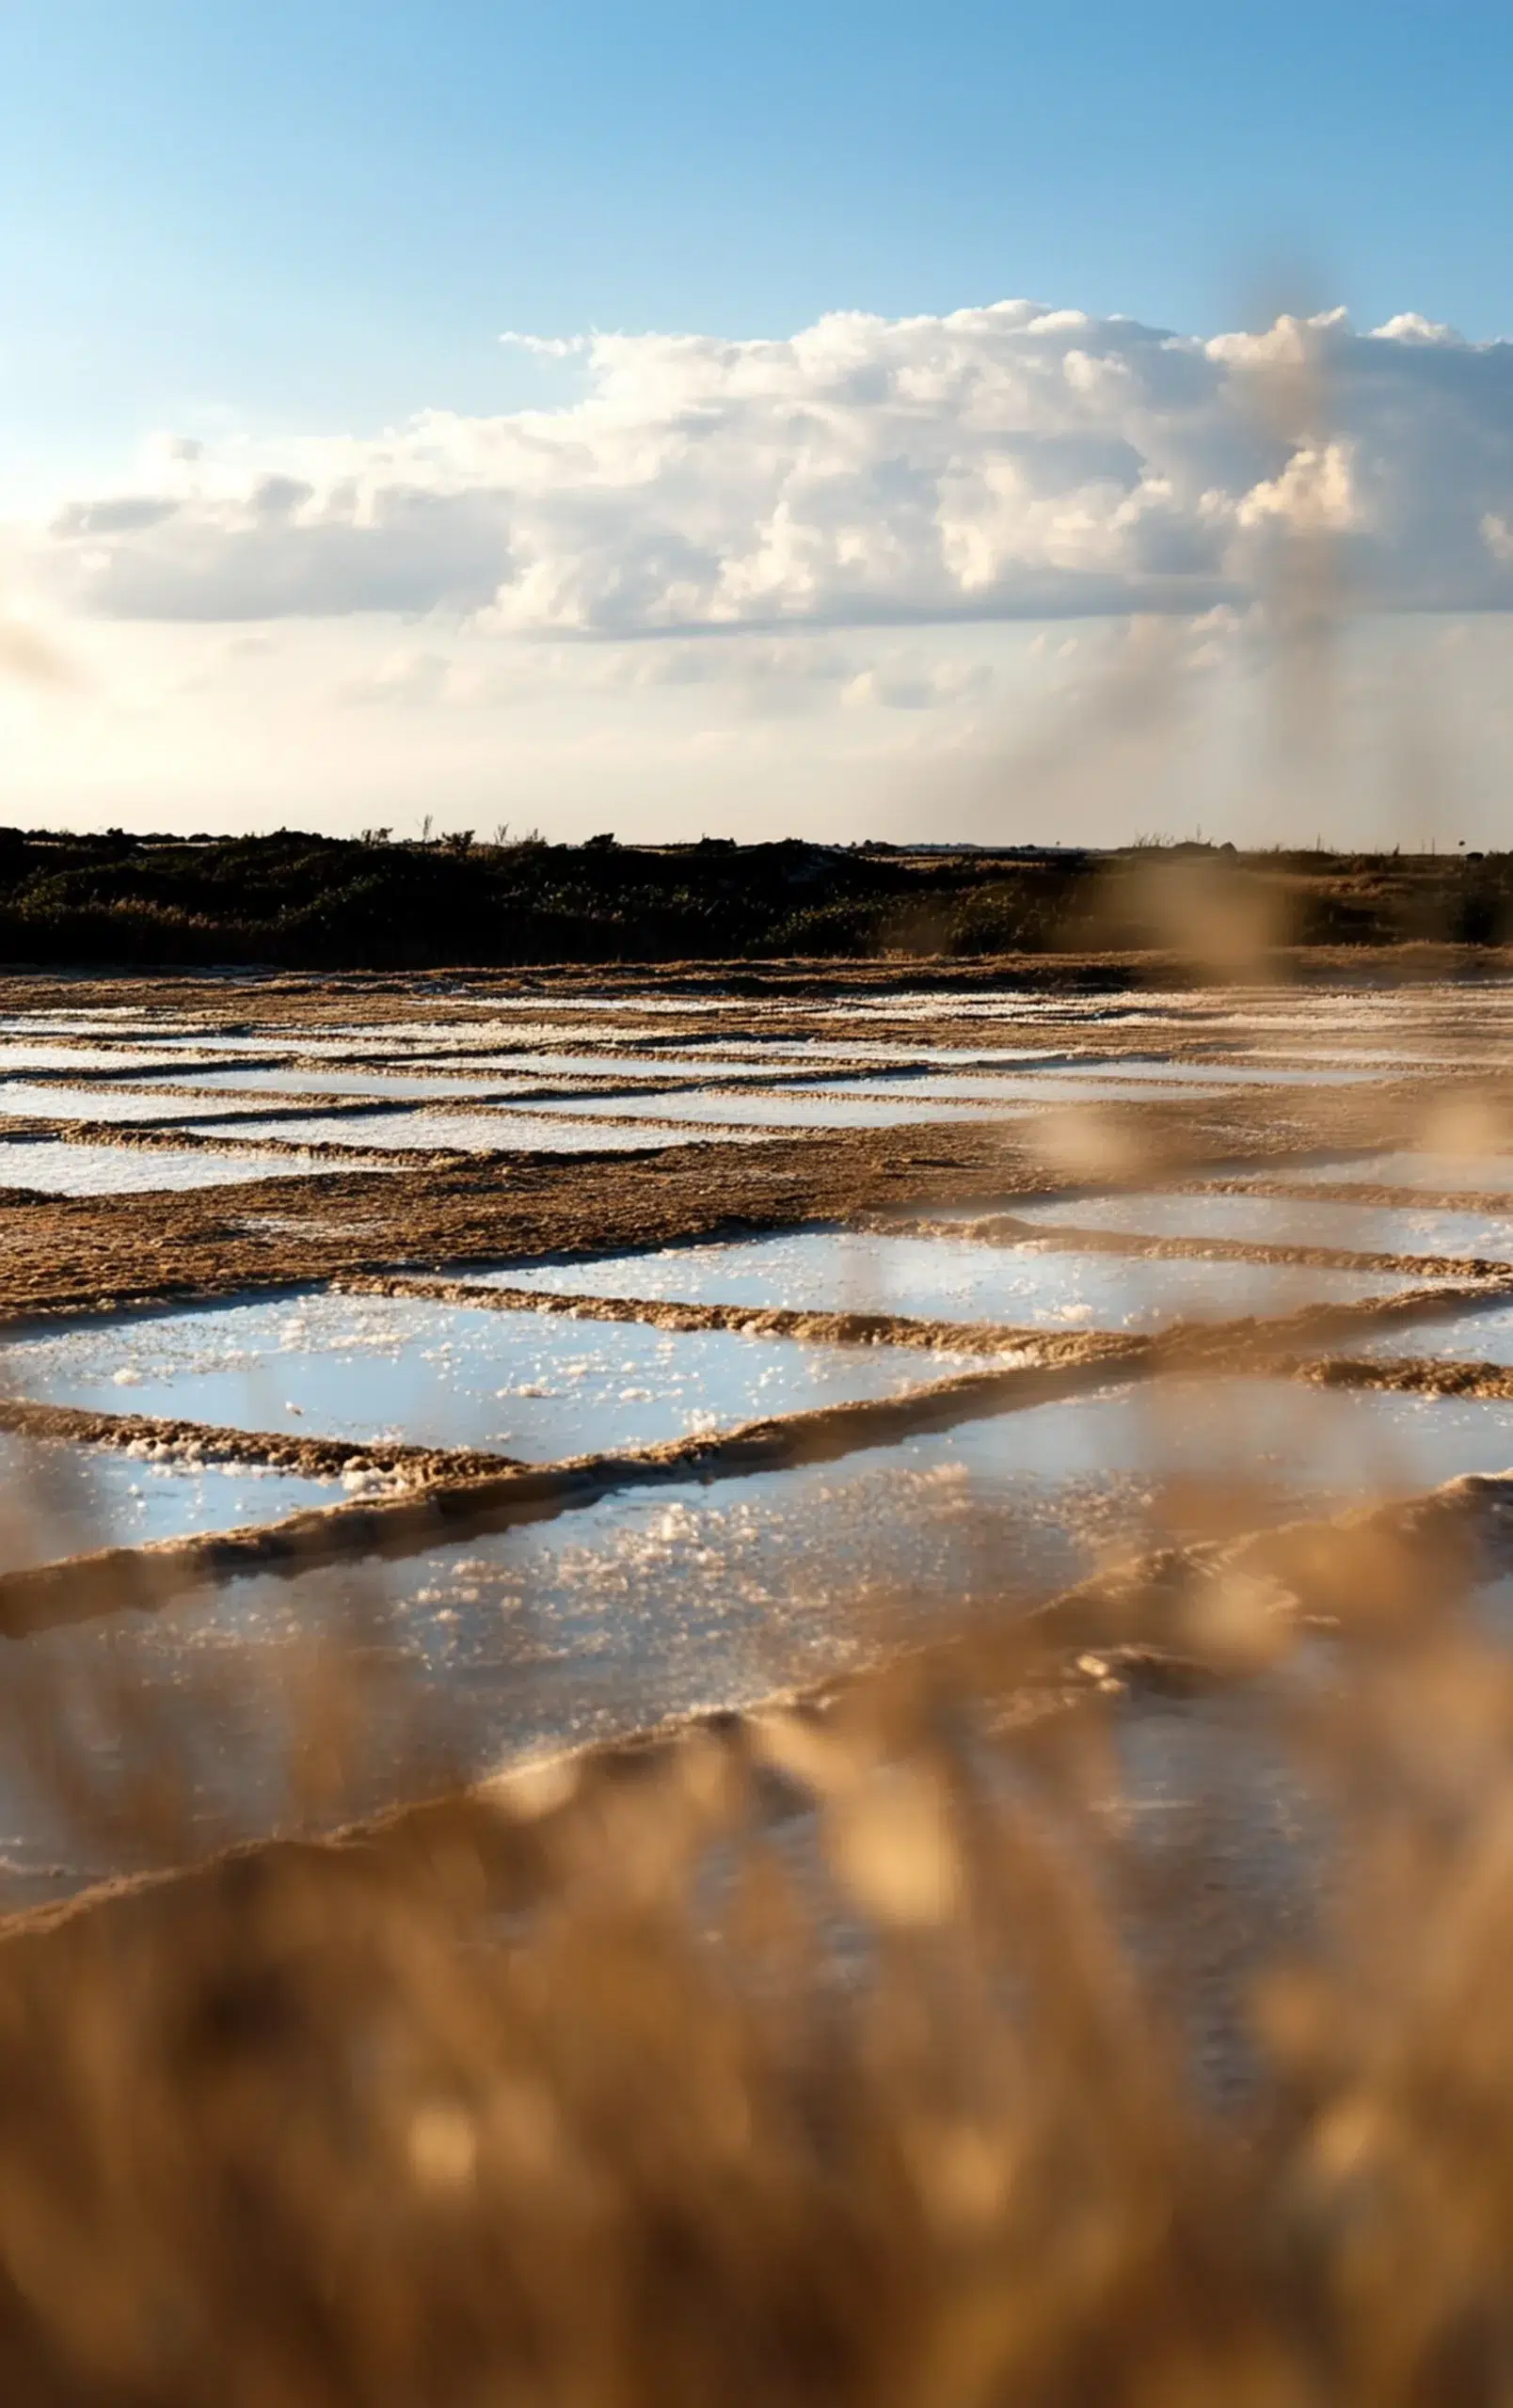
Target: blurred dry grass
(845, 2058)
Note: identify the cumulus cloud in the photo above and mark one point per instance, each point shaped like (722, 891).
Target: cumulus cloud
(1002, 463)
(1408, 326)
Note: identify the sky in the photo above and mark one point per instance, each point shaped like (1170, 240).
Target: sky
(965, 421)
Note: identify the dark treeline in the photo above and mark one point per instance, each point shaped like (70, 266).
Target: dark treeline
(303, 901)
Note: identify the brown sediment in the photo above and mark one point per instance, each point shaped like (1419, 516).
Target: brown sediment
(1229, 1343)
(203, 1442)
(1369, 1194)
(1405, 1375)
(680, 1076)
(190, 1136)
(1120, 973)
(751, 1321)
(293, 1102)
(1261, 1341)
(165, 1294)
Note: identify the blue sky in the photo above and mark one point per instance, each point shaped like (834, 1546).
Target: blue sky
(268, 233)
(312, 211)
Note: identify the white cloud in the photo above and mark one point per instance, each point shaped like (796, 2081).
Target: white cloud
(1003, 463)
(1408, 326)
(1317, 493)
(1498, 537)
(907, 681)
(546, 346)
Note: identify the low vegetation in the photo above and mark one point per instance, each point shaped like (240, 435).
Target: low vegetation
(303, 901)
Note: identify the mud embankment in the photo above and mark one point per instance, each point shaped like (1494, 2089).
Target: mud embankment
(161, 1439)
(1164, 1623)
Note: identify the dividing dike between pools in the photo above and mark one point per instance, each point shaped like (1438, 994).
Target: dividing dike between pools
(1137, 1631)
(455, 1496)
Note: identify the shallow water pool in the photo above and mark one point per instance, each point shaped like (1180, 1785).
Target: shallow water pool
(504, 1132)
(534, 1384)
(833, 1270)
(378, 1086)
(103, 1103)
(57, 1498)
(842, 1104)
(684, 1597)
(138, 1059)
(837, 1109)
(52, 1168)
(1107, 1078)
(1445, 1174)
(1281, 1220)
(637, 1068)
(1098, 1083)
(1483, 1335)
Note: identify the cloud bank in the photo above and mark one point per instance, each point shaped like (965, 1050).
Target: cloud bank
(996, 464)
